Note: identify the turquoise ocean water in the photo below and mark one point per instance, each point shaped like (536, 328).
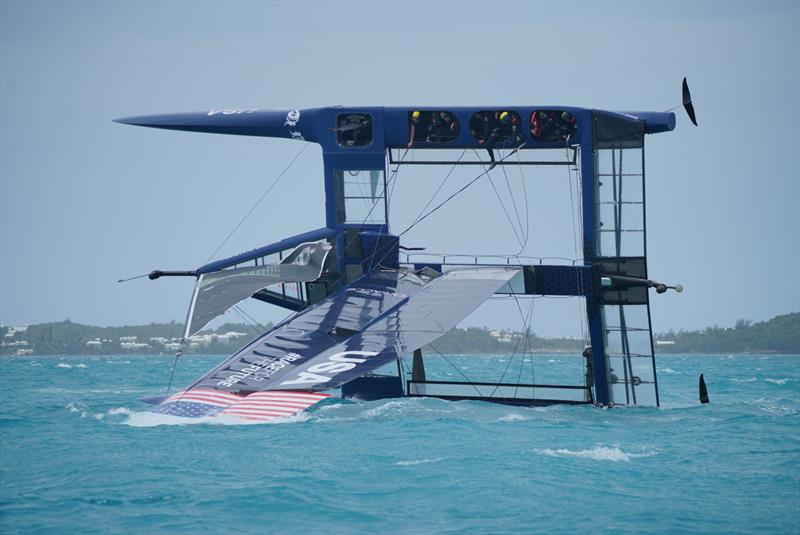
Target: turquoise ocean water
(79, 454)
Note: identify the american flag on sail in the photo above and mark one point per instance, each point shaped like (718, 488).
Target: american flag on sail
(261, 406)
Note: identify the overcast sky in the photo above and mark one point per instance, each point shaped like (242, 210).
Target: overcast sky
(84, 201)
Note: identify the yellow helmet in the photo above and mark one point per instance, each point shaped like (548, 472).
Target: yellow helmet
(415, 114)
(504, 116)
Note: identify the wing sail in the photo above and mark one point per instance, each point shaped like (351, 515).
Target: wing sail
(364, 326)
(215, 293)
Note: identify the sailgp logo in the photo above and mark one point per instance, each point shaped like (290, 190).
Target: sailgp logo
(292, 118)
(333, 365)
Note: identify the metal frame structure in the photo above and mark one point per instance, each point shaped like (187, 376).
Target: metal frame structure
(356, 139)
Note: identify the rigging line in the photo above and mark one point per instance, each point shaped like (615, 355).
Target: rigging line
(397, 166)
(527, 350)
(375, 203)
(508, 216)
(274, 183)
(245, 316)
(513, 352)
(468, 184)
(387, 199)
(579, 229)
(456, 368)
(502, 204)
(441, 185)
(394, 183)
(385, 186)
(525, 196)
(572, 207)
(514, 204)
(526, 321)
(174, 363)
(575, 233)
(524, 351)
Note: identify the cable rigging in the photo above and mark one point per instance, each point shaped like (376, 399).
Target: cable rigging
(263, 195)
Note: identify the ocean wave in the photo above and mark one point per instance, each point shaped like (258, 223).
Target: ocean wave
(82, 410)
(389, 408)
(598, 453)
(63, 365)
(666, 370)
(776, 410)
(419, 461)
(352, 410)
(778, 381)
(750, 380)
(152, 419)
(513, 417)
(75, 407)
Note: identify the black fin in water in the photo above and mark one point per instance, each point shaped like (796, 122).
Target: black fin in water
(687, 102)
(703, 390)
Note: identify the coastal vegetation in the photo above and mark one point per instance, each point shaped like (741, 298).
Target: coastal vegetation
(780, 334)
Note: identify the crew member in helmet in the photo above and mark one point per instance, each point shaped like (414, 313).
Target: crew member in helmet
(434, 127)
(414, 122)
(566, 126)
(510, 130)
(449, 126)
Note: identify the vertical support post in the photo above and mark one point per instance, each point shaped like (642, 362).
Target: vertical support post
(590, 222)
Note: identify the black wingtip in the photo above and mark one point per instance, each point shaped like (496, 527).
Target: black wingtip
(687, 102)
(703, 390)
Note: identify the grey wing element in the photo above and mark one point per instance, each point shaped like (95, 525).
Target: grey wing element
(215, 293)
(372, 322)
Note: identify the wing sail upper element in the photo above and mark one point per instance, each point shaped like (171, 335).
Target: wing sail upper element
(217, 292)
(366, 325)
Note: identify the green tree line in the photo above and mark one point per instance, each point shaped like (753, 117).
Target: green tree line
(781, 334)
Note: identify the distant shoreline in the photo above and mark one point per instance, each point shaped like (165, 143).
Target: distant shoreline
(777, 336)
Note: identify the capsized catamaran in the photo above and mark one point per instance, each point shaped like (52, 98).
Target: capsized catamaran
(362, 300)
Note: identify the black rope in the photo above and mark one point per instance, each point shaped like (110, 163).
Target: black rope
(457, 369)
(441, 185)
(505, 210)
(468, 184)
(386, 184)
(174, 363)
(516, 345)
(514, 204)
(522, 180)
(274, 183)
(375, 249)
(253, 322)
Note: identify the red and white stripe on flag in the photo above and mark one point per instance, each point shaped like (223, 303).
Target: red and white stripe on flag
(219, 398)
(273, 404)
